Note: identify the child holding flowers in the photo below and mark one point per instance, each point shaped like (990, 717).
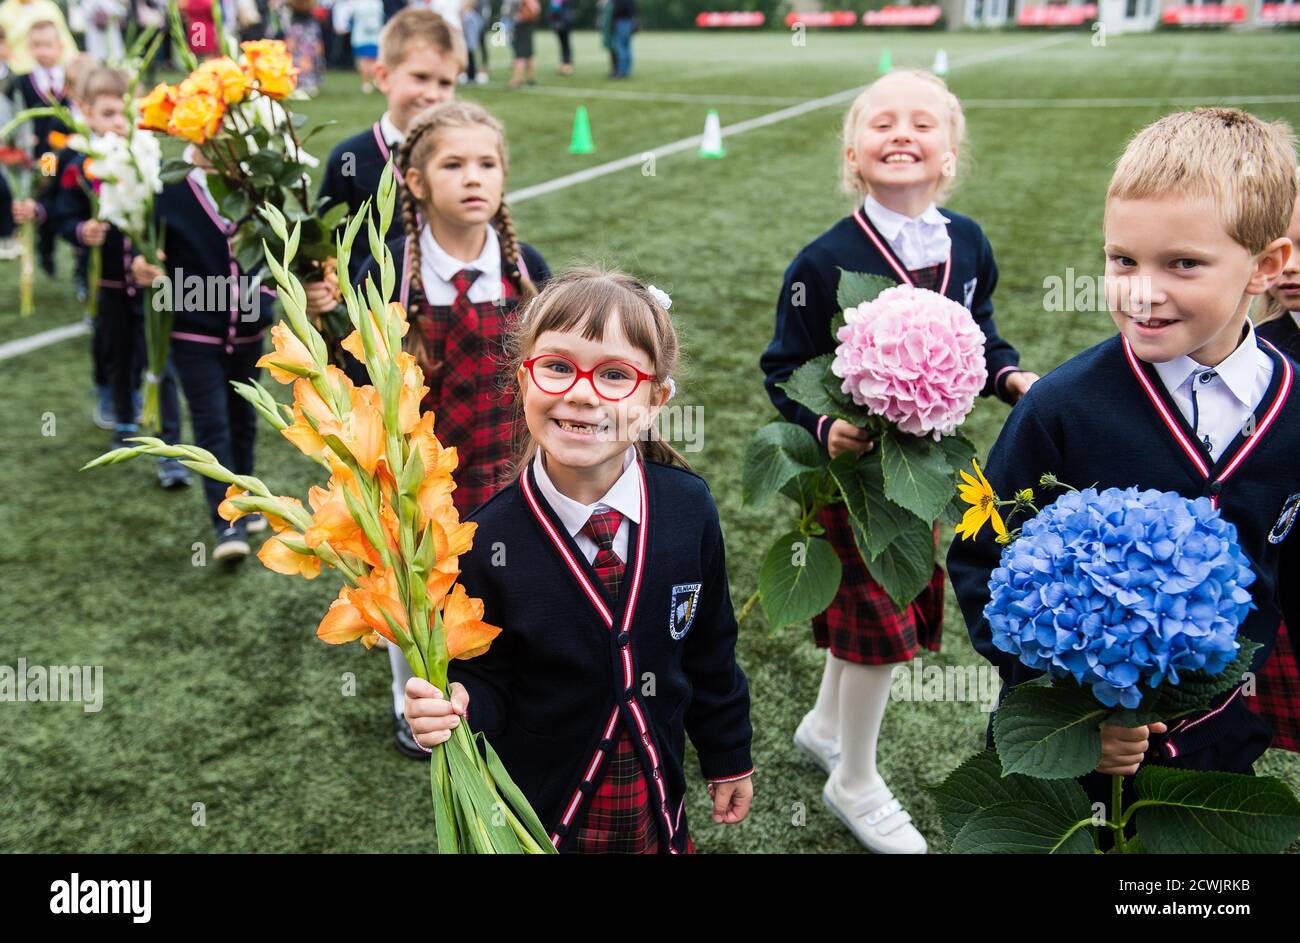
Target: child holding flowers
(119, 316)
(460, 273)
(1186, 398)
(603, 532)
(901, 139)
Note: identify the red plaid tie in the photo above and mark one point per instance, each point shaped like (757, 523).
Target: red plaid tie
(619, 819)
(601, 528)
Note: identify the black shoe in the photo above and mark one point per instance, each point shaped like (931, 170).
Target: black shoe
(172, 474)
(406, 740)
(232, 544)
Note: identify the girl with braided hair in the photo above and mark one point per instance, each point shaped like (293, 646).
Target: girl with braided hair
(461, 274)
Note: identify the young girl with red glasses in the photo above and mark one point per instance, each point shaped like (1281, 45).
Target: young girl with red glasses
(461, 274)
(603, 563)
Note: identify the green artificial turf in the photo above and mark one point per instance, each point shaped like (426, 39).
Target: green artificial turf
(218, 692)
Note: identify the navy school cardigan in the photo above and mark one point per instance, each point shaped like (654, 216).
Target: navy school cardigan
(1283, 333)
(70, 210)
(198, 246)
(570, 665)
(803, 331)
(1105, 417)
(352, 176)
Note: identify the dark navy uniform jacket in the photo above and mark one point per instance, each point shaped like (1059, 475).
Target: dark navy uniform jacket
(570, 665)
(807, 303)
(1105, 417)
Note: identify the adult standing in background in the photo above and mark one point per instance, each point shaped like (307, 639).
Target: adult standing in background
(103, 28)
(523, 16)
(17, 17)
(474, 19)
(624, 14)
(561, 16)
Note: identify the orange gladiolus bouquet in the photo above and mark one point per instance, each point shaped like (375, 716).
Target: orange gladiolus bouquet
(384, 519)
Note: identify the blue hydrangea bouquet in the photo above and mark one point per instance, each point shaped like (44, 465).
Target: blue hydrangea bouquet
(1129, 603)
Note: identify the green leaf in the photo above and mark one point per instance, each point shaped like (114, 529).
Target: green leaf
(1052, 732)
(906, 566)
(798, 578)
(1194, 692)
(857, 288)
(862, 484)
(334, 216)
(174, 170)
(1024, 827)
(917, 475)
(1214, 813)
(958, 451)
(979, 784)
(514, 796)
(777, 452)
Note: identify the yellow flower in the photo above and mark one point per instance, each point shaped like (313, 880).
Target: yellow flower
(196, 118)
(231, 79)
(289, 351)
(271, 66)
(199, 82)
(156, 108)
(1025, 494)
(983, 505)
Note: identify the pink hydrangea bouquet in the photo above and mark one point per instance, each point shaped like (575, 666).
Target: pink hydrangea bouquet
(908, 366)
(912, 357)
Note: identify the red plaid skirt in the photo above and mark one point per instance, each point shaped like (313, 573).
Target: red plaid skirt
(862, 624)
(620, 819)
(1277, 693)
(469, 391)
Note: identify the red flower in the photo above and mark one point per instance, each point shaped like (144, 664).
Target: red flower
(69, 178)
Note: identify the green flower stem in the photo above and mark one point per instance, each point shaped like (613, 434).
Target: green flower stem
(1117, 819)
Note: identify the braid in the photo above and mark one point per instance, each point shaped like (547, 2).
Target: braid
(505, 227)
(414, 342)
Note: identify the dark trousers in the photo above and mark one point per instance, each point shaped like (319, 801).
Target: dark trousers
(6, 208)
(126, 357)
(224, 422)
(562, 33)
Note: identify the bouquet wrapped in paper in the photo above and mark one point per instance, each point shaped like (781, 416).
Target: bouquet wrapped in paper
(384, 519)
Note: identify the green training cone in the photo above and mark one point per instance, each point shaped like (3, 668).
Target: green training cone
(581, 142)
(886, 61)
(711, 144)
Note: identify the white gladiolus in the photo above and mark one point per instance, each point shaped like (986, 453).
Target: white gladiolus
(130, 175)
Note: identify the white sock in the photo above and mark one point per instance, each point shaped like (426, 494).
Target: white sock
(401, 672)
(826, 712)
(864, 694)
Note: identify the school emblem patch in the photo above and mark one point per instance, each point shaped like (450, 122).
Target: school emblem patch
(1290, 508)
(686, 599)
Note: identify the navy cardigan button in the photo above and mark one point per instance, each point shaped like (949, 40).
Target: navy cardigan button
(1216, 487)
(623, 639)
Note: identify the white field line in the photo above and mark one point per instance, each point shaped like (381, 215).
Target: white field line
(45, 338)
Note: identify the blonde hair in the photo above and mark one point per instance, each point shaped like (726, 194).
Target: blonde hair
(1246, 166)
(102, 82)
(583, 300)
(414, 25)
(77, 71)
(850, 180)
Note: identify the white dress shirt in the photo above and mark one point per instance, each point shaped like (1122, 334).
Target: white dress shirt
(392, 136)
(1226, 394)
(919, 242)
(437, 269)
(49, 81)
(624, 497)
(200, 177)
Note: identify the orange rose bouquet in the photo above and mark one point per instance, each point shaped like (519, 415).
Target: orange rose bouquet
(384, 519)
(236, 108)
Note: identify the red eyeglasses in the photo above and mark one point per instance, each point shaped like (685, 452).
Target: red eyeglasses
(612, 380)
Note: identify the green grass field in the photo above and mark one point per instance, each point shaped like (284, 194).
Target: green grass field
(217, 691)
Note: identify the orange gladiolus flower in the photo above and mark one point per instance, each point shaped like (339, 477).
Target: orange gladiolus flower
(289, 350)
(376, 594)
(231, 79)
(352, 343)
(226, 510)
(197, 117)
(276, 555)
(343, 623)
(304, 438)
(362, 430)
(156, 108)
(411, 394)
(271, 66)
(58, 140)
(467, 634)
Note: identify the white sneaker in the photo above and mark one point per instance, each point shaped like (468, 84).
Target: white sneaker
(825, 753)
(10, 249)
(482, 77)
(877, 820)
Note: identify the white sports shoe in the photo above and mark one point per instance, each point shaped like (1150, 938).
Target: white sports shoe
(877, 820)
(825, 753)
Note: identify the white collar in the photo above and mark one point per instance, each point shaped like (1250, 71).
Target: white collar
(1238, 370)
(1295, 316)
(392, 136)
(46, 77)
(200, 177)
(624, 496)
(891, 223)
(445, 266)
